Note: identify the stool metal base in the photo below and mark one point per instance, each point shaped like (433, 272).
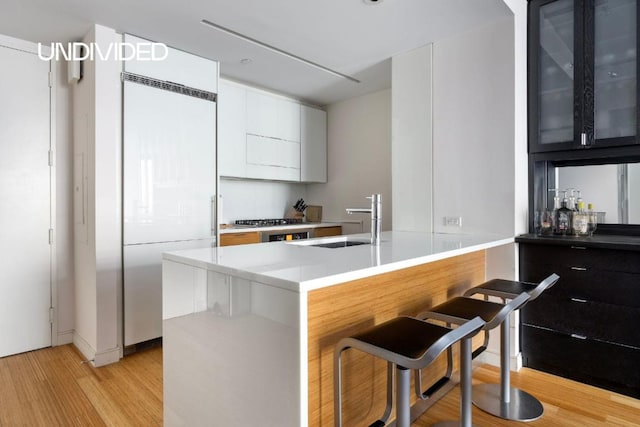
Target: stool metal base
(521, 407)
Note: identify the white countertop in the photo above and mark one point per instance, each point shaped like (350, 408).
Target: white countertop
(299, 267)
(304, 225)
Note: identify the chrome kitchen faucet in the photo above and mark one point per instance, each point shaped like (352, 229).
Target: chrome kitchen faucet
(376, 216)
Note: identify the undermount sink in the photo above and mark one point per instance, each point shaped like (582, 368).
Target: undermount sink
(331, 242)
(343, 244)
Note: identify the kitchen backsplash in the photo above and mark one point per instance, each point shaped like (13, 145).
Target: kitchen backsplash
(247, 199)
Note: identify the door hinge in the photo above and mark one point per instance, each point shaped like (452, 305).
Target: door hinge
(51, 236)
(50, 79)
(50, 157)
(51, 314)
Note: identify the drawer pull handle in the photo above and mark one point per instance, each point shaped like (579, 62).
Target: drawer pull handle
(580, 337)
(579, 268)
(578, 247)
(578, 300)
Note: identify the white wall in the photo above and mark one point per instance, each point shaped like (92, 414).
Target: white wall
(359, 158)
(98, 246)
(520, 118)
(249, 199)
(412, 140)
(84, 245)
(473, 129)
(479, 156)
(65, 313)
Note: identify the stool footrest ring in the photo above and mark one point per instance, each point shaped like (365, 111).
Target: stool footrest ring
(478, 351)
(426, 395)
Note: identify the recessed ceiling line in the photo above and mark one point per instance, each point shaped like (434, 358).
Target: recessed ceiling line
(277, 50)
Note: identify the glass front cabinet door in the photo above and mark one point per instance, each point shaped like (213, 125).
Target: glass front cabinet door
(583, 73)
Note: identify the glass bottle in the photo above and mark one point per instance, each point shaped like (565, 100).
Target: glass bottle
(563, 217)
(571, 201)
(580, 220)
(554, 212)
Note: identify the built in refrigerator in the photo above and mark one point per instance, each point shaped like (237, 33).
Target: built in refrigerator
(169, 182)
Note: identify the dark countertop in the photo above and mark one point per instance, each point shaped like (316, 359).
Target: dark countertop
(604, 241)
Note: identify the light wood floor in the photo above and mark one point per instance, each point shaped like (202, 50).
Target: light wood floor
(52, 387)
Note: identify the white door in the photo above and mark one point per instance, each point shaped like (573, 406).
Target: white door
(25, 203)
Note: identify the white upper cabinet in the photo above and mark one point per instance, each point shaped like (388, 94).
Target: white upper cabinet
(232, 130)
(178, 66)
(272, 116)
(313, 144)
(270, 158)
(265, 136)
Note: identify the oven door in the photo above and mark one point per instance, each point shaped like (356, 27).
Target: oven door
(285, 235)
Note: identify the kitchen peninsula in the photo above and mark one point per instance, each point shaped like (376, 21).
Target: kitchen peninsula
(249, 331)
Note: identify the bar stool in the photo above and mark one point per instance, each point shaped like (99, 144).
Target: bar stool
(501, 399)
(459, 310)
(408, 343)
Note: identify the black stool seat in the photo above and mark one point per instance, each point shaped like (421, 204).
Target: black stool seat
(504, 288)
(468, 308)
(460, 309)
(407, 337)
(509, 289)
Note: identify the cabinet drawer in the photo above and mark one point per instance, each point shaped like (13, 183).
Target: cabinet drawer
(610, 366)
(605, 322)
(581, 257)
(591, 284)
(231, 239)
(327, 231)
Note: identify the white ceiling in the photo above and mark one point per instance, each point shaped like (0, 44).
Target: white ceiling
(348, 36)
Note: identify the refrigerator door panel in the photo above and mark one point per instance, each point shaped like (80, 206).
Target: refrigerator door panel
(168, 166)
(143, 288)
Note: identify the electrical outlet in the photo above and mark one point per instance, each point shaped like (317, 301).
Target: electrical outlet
(453, 221)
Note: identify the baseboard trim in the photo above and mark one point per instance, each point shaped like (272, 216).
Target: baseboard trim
(97, 359)
(65, 337)
(491, 358)
(106, 357)
(84, 347)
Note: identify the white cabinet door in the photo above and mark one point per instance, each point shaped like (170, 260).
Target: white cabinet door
(313, 145)
(169, 165)
(232, 130)
(269, 158)
(273, 117)
(143, 288)
(25, 203)
(178, 67)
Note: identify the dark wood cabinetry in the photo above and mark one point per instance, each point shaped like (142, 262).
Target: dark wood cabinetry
(587, 327)
(583, 69)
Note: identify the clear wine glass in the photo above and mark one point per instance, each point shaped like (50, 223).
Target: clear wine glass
(593, 223)
(546, 223)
